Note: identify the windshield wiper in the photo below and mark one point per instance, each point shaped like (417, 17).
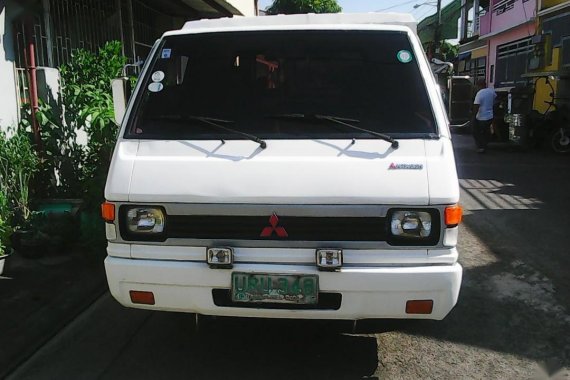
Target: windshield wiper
(339, 120)
(216, 123)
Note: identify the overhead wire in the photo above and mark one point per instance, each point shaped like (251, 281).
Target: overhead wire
(397, 5)
(424, 14)
(420, 12)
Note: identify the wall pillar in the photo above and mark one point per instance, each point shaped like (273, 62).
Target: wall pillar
(9, 108)
(476, 24)
(464, 20)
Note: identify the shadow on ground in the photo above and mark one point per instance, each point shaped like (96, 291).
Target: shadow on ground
(245, 348)
(512, 304)
(519, 303)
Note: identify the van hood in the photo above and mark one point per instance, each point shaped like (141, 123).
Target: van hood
(286, 172)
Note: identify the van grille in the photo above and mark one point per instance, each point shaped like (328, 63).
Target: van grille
(297, 228)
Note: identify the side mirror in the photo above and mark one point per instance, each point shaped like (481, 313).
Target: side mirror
(121, 88)
(137, 66)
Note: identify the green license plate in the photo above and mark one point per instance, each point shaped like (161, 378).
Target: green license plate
(271, 288)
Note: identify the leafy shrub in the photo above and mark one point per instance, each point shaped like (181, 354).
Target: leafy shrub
(18, 163)
(88, 105)
(5, 227)
(59, 172)
(303, 6)
(46, 232)
(85, 106)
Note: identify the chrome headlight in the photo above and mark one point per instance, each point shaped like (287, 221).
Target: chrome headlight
(413, 227)
(144, 222)
(414, 224)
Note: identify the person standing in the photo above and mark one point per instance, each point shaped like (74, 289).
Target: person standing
(483, 111)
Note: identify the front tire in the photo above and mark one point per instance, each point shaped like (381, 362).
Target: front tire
(559, 140)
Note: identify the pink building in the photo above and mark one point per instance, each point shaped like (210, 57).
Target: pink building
(496, 40)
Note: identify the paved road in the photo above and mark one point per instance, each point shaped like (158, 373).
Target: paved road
(511, 322)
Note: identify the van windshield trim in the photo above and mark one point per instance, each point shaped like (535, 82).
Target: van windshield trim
(135, 114)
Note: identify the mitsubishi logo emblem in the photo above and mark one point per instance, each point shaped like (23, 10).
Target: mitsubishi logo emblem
(268, 231)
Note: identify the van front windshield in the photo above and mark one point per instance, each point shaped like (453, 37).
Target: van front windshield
(283, 85)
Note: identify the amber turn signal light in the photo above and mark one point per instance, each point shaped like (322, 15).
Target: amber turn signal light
(453, 215)
(140, 297)
(419, 307)
(108, 212)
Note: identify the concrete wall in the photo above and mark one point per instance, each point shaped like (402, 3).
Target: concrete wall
(485, 24)
(495, 23)
(246, 7)
(522, 12)
(503, 38)
(8, 95)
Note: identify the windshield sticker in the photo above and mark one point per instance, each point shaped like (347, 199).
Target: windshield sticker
(404, 56)
(157, 76)
(166, 53)
(394, 166)
(155, 87)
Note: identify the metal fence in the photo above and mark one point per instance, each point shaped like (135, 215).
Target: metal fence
(40, 42)
(58, 27)
(149, 24)
(22, 89)
(81, 24)
(61, 26)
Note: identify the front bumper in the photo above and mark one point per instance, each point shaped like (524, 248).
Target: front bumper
(367, 292)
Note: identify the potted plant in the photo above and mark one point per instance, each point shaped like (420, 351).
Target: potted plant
(3, 256)
(45, 232)
(18, 163)
(5, 229)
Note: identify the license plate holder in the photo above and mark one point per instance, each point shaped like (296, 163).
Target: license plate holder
(299, 289)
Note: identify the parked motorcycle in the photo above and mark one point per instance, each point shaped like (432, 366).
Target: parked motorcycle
(551, 127)
(559, 138)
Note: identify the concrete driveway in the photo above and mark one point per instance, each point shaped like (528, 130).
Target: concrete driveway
(511, 322)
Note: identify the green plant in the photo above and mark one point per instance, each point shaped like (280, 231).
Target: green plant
(18, 163)
(304, 6)
(85, 108)
(5, 222)
(59, 171)
(89, 102)
(449, 51)
(50, 230)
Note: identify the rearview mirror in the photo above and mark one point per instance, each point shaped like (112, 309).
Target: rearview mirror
(121, 88)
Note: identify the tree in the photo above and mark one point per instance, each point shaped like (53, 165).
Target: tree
(303, 6)
(448, 51)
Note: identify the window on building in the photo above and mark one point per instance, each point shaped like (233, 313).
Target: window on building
(512, 61)
(461, 67)
(503, 6)
(566, 52)
(475, 68)
(480, 70)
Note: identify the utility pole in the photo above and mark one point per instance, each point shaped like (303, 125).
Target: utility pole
(437, 33)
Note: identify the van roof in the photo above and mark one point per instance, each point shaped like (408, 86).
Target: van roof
(311, 19)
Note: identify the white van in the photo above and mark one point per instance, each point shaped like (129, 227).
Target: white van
(286, 167)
